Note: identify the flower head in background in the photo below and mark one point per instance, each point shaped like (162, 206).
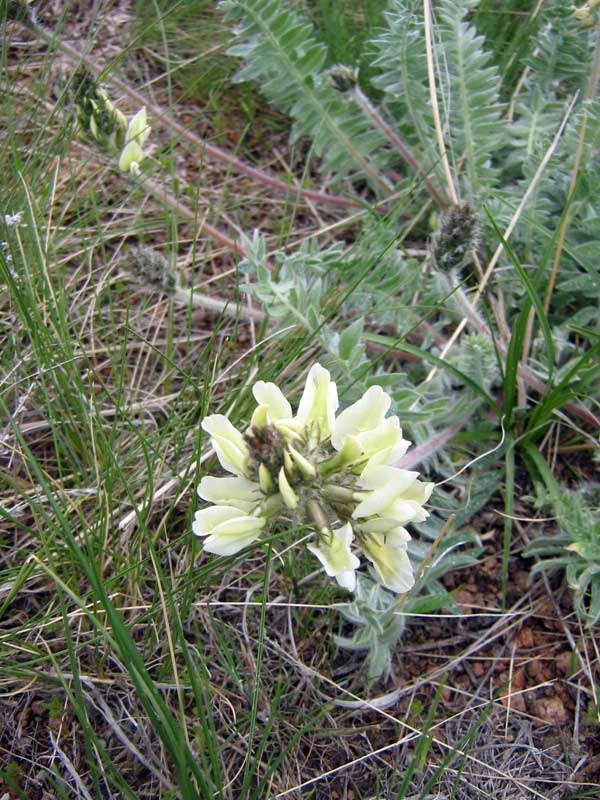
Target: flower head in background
(99, 121)
(331, 474)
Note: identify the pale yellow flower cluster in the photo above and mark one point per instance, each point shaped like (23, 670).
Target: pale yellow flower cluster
(99, 120)
(331, 473)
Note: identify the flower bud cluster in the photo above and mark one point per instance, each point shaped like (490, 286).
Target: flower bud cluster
(99, 120)
(331, 473)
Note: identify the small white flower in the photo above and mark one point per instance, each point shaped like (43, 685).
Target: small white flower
(137, 132)
(12, 220)
(227, 529)
(228, 443)
(333, 551)
(362, 432)
(387, 552)
(318, 404)
(392, 493)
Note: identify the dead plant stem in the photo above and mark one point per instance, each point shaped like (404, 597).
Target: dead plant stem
(434, 102)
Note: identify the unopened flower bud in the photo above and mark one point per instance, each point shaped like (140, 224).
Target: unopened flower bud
(338, 494)
(306, 468)
(317, 515)
(288, 462)
(265, 480)
(290, 498)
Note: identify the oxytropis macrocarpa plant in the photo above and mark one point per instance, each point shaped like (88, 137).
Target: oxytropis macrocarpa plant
(333, 474)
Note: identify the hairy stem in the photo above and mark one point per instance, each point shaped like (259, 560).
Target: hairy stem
(399, 144)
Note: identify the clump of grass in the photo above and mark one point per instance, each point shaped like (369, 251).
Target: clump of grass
(186, 42)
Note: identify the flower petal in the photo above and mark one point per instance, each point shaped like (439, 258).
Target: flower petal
(384, 444)
(318, 404)
(362, 429)
(347, 579)
(387, 553)
(131, 155)
(228, 442)
(364, 415)
(272, 405)
(228, 529)
(391, 492)
(138, 129)
(381, 525)
(333, 551)
(238, 492)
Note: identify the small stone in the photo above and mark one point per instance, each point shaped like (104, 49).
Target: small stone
(516, 702)
(526, 637)
(521, 579)
(518, 679)
(534, 669)
(550, 710)
(564, 664)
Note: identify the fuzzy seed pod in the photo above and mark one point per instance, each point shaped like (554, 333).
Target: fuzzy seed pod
(458, 235)
(343, 78)
(151, 268)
